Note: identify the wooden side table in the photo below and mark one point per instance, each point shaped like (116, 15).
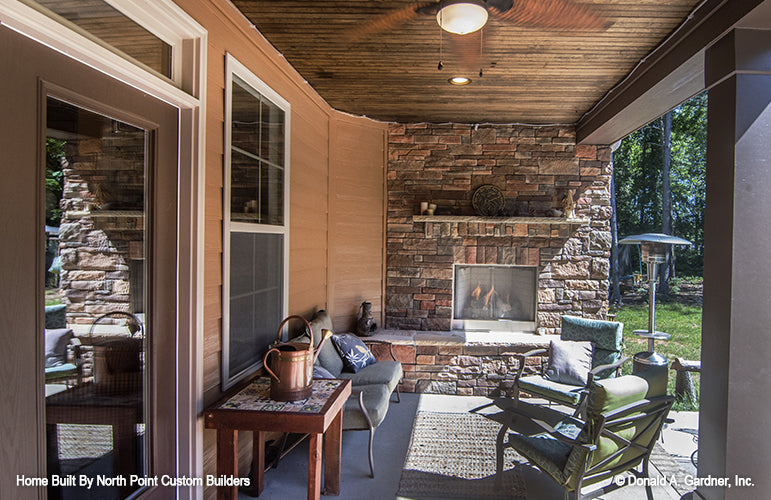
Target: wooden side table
(251, 409)
(83, 404)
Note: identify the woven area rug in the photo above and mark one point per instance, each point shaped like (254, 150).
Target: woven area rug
(452, 456)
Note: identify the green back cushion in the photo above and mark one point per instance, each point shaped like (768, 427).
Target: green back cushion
(611, 394)
(606, 335)
(56, 316)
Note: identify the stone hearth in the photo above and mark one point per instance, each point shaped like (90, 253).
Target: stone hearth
(534, 167)
(446, 363)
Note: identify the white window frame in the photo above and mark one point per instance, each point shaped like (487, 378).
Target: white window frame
(162, 18)
(234, 67)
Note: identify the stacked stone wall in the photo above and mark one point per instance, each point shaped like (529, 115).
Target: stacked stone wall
(101, 236)
(534, 167)
(437, 366)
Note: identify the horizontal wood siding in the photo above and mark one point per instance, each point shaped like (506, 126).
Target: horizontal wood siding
(356, 205)
(308, 212)
(229, 32)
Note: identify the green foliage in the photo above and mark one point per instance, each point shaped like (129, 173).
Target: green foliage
(54, 180)
(637, 169)
(681, 321)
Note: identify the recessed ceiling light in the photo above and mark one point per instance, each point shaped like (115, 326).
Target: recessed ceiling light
(459, 80)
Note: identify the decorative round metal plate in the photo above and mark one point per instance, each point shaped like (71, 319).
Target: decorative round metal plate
(487, 200)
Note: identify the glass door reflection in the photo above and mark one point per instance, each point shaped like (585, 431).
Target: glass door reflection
(95, 313)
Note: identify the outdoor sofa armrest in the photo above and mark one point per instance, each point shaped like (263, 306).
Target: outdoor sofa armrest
(381, 342)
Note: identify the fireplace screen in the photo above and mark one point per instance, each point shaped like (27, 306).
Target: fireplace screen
(495, 293)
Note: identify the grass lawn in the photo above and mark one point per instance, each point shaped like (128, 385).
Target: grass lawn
(53, 297)
(681, 321)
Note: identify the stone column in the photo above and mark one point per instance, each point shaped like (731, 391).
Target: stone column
(736, 375)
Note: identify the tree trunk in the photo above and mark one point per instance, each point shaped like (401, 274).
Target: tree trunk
(666, 200)
(615, 284)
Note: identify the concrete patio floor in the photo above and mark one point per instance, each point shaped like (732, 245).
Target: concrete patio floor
(392, 438)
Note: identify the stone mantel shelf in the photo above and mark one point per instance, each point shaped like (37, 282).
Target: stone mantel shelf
(108, 213)
(460, 338)
(474, 219)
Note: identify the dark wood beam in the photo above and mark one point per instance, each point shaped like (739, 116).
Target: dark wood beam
(670, 74)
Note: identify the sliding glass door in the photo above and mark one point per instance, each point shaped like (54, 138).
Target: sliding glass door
(89, 211)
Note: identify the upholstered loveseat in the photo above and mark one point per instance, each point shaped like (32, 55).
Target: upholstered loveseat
(372, 385)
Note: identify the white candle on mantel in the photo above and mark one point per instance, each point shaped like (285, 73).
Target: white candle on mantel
(423, 207)
(432, 207)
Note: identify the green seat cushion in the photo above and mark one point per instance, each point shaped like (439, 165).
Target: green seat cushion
(537, 385)
(375, 401)
(387, 373)
(61, 371)
(611, 394)
(546, 451)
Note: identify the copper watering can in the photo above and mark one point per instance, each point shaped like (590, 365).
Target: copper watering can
(291, 375)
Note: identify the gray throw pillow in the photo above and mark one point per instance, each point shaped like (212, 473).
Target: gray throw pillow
(570, 362)
(56, 346)
(321, 372)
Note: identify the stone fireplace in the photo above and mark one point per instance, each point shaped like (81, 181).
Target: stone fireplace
(494, 297)
(534, 167)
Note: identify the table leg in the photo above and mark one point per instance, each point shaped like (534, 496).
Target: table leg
(54, 465)
(314, 466)
(258, 463)
(333, 445)
(227, 461)
(124, 449)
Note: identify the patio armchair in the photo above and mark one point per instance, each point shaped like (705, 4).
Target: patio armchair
(63, 360)
(588, 349)
(623, 420)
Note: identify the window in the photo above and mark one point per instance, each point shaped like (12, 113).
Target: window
(116, 29)
(255, 222)
(155, 35)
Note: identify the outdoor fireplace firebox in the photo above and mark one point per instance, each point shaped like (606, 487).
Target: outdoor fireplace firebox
(494, 297)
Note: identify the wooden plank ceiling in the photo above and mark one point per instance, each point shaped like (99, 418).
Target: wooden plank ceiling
(543, 61)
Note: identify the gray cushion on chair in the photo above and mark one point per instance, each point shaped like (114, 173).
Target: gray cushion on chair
(328, 356)
(375, 401)
(383, 372)
(569, 362)
(321, 372)
(56, 346)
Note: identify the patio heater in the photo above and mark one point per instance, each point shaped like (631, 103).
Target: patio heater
(654, 252)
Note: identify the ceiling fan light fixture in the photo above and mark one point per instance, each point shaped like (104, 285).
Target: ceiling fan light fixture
(462, 16)
(459, 80)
